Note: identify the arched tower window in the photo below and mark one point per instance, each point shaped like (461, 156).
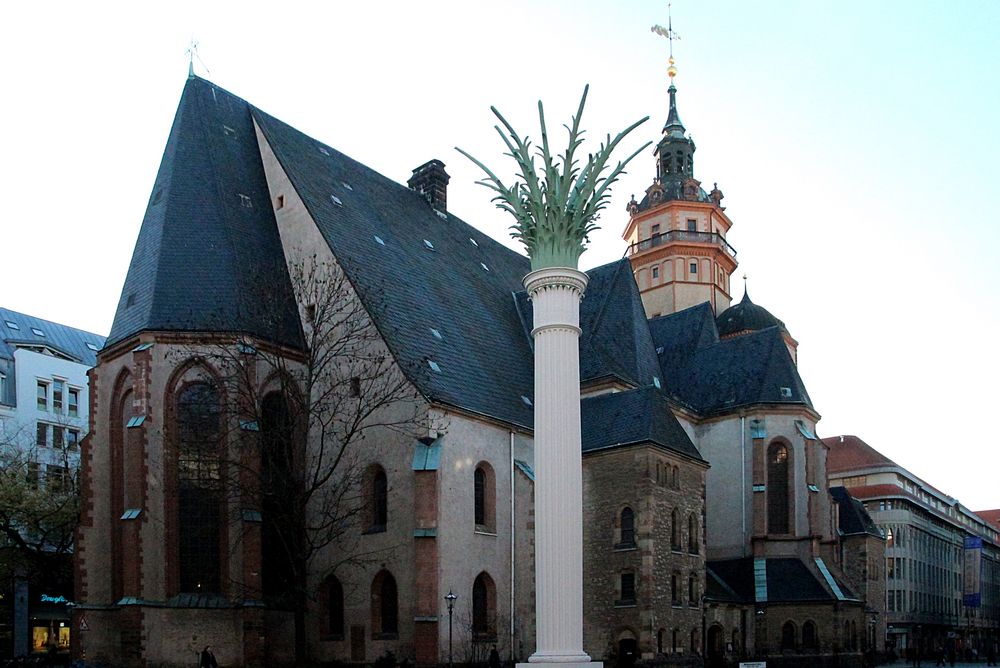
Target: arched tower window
(809, 635)
(332, 595)
(484, 602)
(122, 412)
(199, 485)
(675, 530)
(484, 482)
(777, 488)
(692, 534)
(788, 636)
(385, 605)
(627, 528)
(277, 489)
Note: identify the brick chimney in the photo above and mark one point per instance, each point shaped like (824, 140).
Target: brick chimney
(431, 181)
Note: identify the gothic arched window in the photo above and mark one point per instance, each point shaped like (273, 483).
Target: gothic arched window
(777, 488)
(484, 484)
(692, 534)
(483, 607)
(675, 531)
(377, 493)
(385, 605)
(277, 489)
(788, 636)
(333, 597)
(809, 635)
(199, 485)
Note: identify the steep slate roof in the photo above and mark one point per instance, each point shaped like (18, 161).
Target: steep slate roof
(854, 519)
(484, 357)
(713, 376)
(788, 580)
(682, 333)
(641, 415)
(70, 341)
(850, 453)
(208, 257)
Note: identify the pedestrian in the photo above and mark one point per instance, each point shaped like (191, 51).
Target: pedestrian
(494, 658)
(207, 659)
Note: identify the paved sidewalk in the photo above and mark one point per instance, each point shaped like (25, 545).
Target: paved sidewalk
(924, 663)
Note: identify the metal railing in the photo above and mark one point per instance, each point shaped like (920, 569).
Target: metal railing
(671, 236)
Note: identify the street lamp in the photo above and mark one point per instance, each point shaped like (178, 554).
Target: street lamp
(450, 598)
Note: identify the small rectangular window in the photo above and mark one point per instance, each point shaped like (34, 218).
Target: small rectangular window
(43, 396)
(57, 437)
(355, 386)
(41, 434)
(72, 439)
(654, 230)
(693, 268)
(74, 402)
(280, 202)
(58, 389)
(692, 225)
(628, 588)
(656, 272)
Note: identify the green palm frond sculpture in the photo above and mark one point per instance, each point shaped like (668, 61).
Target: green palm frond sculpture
(555, 208)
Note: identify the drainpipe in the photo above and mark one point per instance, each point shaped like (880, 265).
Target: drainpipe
(511, 451)
(743, 476)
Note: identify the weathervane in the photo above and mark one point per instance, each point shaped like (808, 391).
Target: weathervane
(192, 52)
(669, 33)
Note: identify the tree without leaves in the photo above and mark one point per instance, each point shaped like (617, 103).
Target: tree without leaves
(39, 509)
(314, 416)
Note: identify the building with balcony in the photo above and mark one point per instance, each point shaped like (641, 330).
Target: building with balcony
(942, 560)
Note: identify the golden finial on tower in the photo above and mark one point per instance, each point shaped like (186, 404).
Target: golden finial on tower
(669, 33)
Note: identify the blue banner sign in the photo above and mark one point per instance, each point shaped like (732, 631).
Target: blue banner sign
(972, 566)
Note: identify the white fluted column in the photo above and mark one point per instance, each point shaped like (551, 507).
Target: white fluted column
(555, 294)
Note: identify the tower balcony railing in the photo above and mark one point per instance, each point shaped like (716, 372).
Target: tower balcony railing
(673, 236)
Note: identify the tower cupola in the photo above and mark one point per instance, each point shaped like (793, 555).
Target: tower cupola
(675, 152)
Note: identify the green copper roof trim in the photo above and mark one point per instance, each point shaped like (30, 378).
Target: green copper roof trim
(425, 533)
(526, 469)
(805, 430)
(757, 429)
(427, 456)
(135, 421)
(760, 580)
(131, 513)
(142, 346)
(829, 579)
(249, 425)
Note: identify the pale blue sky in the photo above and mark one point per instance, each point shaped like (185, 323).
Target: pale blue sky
(854, 141)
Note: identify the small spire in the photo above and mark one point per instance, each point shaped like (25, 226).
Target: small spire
(192, 52)
(673, 124)
(746, 293)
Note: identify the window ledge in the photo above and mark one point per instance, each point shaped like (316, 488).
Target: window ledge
(378, 528)
(483, 531)
(625, 604)
(625, 547)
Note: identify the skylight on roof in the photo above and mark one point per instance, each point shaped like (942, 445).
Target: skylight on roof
(346, 185)
(92, 346)
(323, 150)
(526, 400)
(378, 240)
(656, 381)
(436, 334)
(336, 200)
(441, 214)
(11, 324)
(483, 265)
(37, 332)
(434, 366)
(429, 245)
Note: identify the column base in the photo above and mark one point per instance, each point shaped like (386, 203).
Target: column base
(560, 661)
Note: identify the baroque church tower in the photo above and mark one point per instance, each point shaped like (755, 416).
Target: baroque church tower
(677, 233)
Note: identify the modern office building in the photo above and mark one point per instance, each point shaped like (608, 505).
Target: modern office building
(942, 565)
